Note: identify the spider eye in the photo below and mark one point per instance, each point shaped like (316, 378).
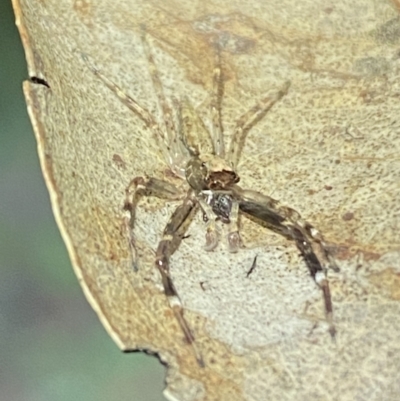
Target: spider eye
(203, 164)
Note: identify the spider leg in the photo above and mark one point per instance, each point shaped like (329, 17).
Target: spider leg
(317, 272)
(216, 101)
(212, 232)
(317, 236)
(171, 240)
(140, 111)
(309, 241)
(189, 130)
(158, 88)
(147, 186)
(192, 131)
(234, 240)
(248, 120)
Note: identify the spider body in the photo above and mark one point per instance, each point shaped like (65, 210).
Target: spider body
(221, 205)
(212, 185)
(209, 173)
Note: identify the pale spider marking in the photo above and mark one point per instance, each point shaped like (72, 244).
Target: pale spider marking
(212, 184)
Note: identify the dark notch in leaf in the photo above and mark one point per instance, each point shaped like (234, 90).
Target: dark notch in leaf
(39, 81)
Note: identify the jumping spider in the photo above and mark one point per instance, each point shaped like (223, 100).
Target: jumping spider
(212, 179)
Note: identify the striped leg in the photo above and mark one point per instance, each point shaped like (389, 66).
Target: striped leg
(145, 186)
(148, 119)
(248, 120)
(168, 120)
(171, 240)
(309, 241)
(234, 240)
(216, 105)
(318, 272)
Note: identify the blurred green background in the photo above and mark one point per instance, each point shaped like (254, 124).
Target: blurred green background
(52, 346)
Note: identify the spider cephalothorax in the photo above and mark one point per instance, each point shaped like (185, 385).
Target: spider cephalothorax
(212, 185)
(210, 172)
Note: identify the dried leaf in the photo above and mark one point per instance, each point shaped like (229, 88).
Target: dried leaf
(330, 149)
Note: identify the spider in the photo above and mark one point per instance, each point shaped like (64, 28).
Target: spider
(198, 157)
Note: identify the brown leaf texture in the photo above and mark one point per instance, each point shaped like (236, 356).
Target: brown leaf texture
(329, 149)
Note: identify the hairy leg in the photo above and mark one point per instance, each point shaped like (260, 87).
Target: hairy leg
(317, 271)
(159, 91)
(145, 186)
(216, 102)
(192, 131)
(234, 240)
(212, 237)
(140, 111)
(172, 237)
(248, 120)
(289, 223)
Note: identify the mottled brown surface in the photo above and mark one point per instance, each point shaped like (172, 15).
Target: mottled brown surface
(330, 149)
